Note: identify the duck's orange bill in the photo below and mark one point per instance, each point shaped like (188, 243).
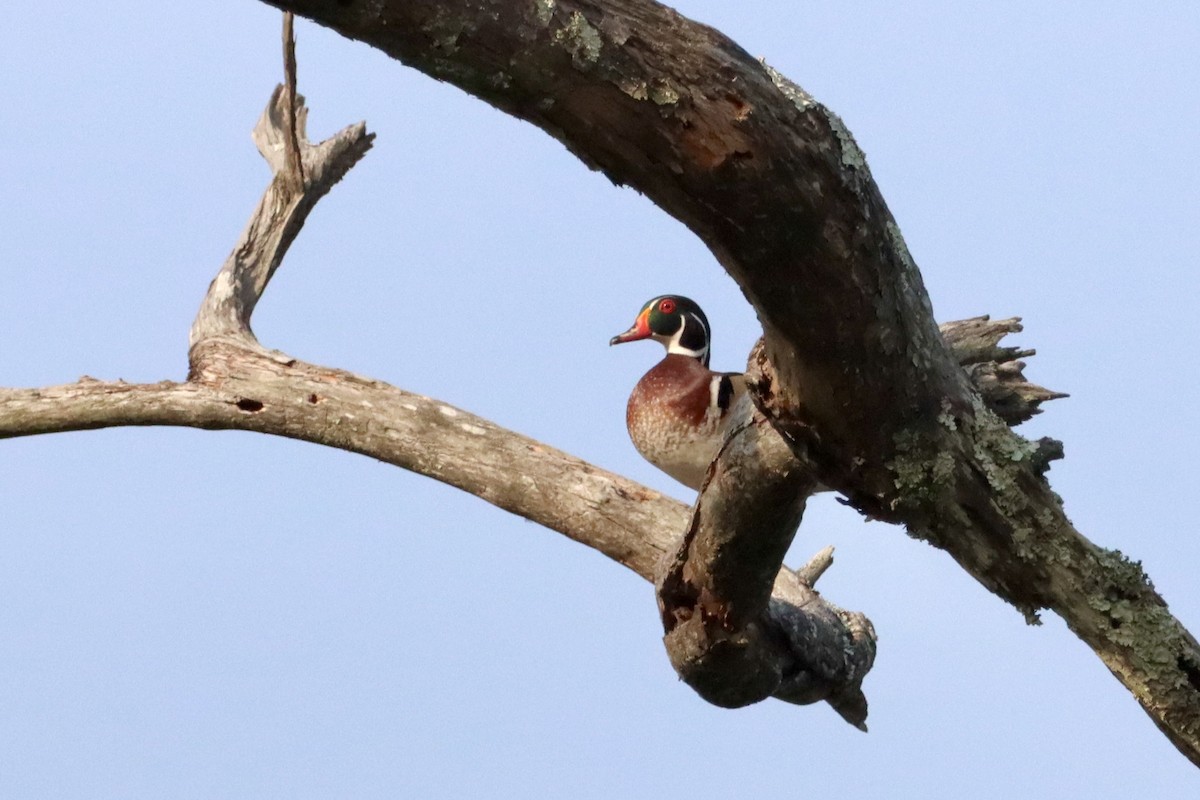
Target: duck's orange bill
(640, 330)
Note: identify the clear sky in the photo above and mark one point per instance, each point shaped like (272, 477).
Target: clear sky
(196, 614)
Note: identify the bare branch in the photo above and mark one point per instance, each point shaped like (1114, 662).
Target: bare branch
(996, 372)
(860, 389)
(295, 166)
(247, 388)
(235, 383)
(280, 214)
(862, 380)
(811, 572)
(254, 390)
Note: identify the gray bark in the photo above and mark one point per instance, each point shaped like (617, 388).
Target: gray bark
(808, 648)
(855, 389)
(860, 379)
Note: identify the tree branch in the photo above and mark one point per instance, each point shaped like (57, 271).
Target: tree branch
(233, 294)
(234, 383)
(860, 380)
(856, 389)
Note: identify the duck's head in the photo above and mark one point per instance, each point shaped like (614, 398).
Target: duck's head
(676, 322)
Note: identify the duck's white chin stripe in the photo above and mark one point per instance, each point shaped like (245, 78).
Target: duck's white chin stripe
(674, 343)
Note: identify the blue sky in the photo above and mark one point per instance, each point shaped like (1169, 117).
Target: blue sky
(197, 614)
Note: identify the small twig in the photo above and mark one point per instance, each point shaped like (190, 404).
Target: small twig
(811, 572)
(295, 166)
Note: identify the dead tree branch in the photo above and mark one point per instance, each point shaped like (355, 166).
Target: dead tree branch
(821, 651)
(855, 388)
(858, 377)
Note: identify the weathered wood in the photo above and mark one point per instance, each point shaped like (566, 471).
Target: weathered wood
(857, 382)
(860, 376)
(280, 214)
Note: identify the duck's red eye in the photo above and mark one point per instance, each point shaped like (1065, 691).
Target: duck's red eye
(667, 306)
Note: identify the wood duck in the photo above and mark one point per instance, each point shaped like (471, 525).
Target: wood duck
(678, 413)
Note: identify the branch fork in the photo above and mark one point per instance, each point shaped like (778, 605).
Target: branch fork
(303, 173)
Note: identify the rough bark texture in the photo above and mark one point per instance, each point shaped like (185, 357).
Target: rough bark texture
(854, 388)
(775, 185)
(722, 627)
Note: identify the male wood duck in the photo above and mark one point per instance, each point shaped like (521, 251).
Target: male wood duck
(678, 413)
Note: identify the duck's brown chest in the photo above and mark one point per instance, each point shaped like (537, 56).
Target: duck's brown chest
(673, 420)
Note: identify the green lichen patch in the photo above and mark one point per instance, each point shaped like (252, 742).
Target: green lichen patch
(999, 453)
(900, 246)
(581, 40)
(1139, 622)
(544, 10)
(444, 29)
(800, 98)
(922, 472)
(946, 416)
(852, 155)
(663, 93)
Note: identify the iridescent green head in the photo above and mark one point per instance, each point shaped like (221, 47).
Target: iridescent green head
(676, 322)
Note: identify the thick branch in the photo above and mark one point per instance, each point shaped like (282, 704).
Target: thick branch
(714, 593)
(858, 383)
(719, 593)
(861, 379)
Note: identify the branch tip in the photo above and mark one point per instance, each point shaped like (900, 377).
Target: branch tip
(811, 572)
(295, 165)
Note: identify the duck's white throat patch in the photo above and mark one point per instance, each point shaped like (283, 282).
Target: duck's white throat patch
(674, 342)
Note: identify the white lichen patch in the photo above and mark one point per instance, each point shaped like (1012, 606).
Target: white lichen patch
(581, 40)
(448, 411)
(408, 406)
(544, 10)
(474, 430)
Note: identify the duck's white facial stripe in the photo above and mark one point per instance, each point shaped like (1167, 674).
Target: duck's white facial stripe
(673, 342)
